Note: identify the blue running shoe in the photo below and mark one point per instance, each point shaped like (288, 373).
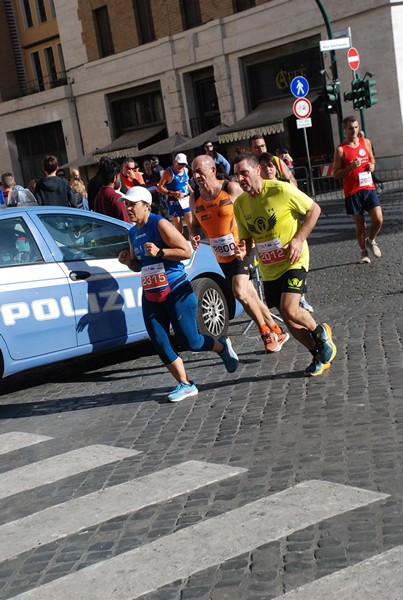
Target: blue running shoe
(324, 343)
(316, 367)
(183, 390)
(228, 355)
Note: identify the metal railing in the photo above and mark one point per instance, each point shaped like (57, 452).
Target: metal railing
(388, 181)
(35, 86)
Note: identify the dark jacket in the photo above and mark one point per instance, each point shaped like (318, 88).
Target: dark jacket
(93, 187)
(54, 191)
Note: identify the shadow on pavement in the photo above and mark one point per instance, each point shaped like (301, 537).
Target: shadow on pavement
(55, 406)
(80, 369)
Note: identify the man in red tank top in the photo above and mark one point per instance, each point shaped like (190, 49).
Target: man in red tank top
(354, 162)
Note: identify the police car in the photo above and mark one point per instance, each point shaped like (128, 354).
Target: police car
(64, 292)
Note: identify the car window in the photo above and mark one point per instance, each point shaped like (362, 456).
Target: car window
(17, 245)
(85, 237)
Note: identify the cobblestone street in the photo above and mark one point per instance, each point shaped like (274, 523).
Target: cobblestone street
(307, 474)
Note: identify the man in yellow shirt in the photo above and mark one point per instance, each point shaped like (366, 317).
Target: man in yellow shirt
(212, 205)
(267, 213)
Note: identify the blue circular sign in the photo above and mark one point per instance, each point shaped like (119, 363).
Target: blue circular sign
(299, 87)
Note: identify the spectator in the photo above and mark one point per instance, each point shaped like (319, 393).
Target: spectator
(32, 185)
(155, 163)
(52, 190)
(78, 187)
(222, 165)
(286, 157)
(75, 174)
(130, 175)
(107, 200)
(8, 184)
(151, 180)
(95, 184)
(257, 146)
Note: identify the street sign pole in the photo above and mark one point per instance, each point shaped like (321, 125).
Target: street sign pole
(309, 164)
(362, 115)
(353, 59)
(302, 109)
(333, 59)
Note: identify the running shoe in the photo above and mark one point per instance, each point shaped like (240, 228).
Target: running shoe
(282, 337)
(273, 342)
(373, 248)
(183, 390)
(270, 341)
(324, 344)
(228, 355)
(364, 257)
(305, 304)
(316, 367)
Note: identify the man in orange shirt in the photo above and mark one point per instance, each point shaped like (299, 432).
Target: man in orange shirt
(212, 207)
(129, 175)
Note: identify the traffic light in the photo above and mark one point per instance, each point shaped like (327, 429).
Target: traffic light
(329, 96)
(363, 93)
(358, 94)
(348, 96)
(370, 93)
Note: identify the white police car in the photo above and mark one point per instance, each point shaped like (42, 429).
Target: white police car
(64, 292)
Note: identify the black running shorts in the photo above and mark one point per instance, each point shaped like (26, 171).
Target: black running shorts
(292, 281)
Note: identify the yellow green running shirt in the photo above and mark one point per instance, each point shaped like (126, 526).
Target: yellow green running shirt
(271, 219)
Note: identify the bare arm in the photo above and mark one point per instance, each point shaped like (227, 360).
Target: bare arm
(177, 246)
(371, 164)
(338, 171)
(234, 190)
(194, 229)
(294, 247)
(243, 248)
(129, 259)
(287, 173)
(166, 177)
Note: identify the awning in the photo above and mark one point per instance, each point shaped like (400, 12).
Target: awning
(199, 140)
(266, 119)
(82, 161)
(166, 146)
(128, 143)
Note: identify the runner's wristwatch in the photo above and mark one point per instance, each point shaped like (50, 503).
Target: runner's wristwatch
(160, 253)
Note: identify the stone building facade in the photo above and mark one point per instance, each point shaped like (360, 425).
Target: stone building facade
(126, 70)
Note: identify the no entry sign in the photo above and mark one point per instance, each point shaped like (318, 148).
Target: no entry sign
(353, 58)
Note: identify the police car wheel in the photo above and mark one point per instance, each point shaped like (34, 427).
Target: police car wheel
(212, 308)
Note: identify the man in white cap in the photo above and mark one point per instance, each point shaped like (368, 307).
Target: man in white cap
(174, 183)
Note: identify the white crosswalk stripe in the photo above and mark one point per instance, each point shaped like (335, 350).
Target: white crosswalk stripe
(190, 550)
(378, 578)
(15, 440)
(73, 516)
(58, 467)
(206, 544)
